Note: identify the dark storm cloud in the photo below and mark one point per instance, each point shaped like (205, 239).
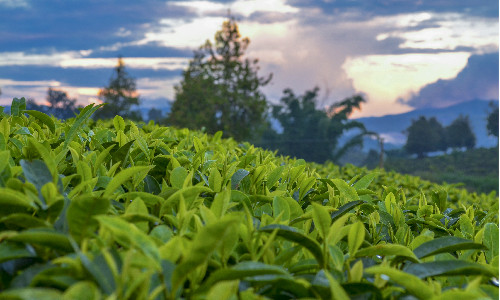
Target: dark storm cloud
(478, 80)
(77, 77)
(76, 25)
(486, 8)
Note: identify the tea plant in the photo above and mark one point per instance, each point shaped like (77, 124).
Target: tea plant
(119, 210)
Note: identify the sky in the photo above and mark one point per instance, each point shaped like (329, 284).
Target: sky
(399, 54)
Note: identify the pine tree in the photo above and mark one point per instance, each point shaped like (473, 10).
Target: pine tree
(120, 94)
(220, 89)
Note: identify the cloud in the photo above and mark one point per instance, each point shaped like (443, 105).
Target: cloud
(77, 77)
(478, 80)
(77, 25)
(487, 8)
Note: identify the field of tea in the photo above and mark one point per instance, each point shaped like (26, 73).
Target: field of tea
(119, 210)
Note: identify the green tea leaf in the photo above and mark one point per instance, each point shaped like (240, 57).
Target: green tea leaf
(119, 123)
(305, 186)
(365, 181)
(221, 203)
(240, 271)
(17, 106)
(24, 221)
(177, 177)
(45, 119)
(280, 206)
(205, 243)
(345, 209)
(345, 190)
(388, 249)
(321, 219)
(81, 212)
(10, 250)
(490, 240)
(238, 177)
(30, 293)
(44, 237)
(13, 201)
(292, 234)
(355, 237)
(444, 245)
(37, 173)
(83, 290)
(101, 157)
(129, 235)
(412, 283)
(84, 115)
(274, 176)
(448, 268)
(122, 177)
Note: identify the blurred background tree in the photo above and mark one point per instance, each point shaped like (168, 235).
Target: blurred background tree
(155, 114)
(60, 104)
(459, 134)
(492, 124)
(120, 95)
(421, 139)
(310, 133)
(220, 89)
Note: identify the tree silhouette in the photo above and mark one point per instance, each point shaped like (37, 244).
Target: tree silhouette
(220, 89)
(459, 133)
(310, 133)
(492, 125)
(425, 136)
(120, 94)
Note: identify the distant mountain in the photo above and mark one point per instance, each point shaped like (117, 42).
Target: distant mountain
(391, 127)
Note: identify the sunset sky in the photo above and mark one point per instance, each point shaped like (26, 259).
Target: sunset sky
(401, 54)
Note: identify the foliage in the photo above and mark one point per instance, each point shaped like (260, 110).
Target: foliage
(425, 136)
(429, 135)
(477, 169)
(459, 134)
(492, 124)
(119, 95)
(119, 210)
(155, 114)
(310, 133)
(60, 105)
(220, 89)
(60, 99)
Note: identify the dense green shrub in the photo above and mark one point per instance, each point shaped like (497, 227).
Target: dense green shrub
(118, 210)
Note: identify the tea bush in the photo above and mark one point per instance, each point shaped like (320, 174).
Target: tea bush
(119, 210)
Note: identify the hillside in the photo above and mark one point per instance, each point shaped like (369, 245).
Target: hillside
(121, 210)
(477, 169)
(392, 126)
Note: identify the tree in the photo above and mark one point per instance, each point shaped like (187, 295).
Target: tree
(155, 114)
(459, 133)
(437, 136)
(425, 136)
(60, 104)
(220, 89)
(310, 133)
(120, 94)
(492, 125)
(59, 99)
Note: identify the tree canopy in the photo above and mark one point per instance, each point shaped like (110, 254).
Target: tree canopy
(220, 89)
(119, 95)
(459, 134)
(425, 136)
(492, 124)
(311, 133)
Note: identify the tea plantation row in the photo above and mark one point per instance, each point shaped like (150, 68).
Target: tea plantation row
(118, 210)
